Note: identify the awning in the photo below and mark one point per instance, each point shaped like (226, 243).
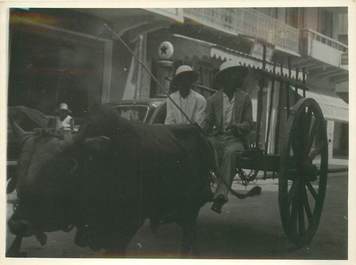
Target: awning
(240, 58)
(333, 107)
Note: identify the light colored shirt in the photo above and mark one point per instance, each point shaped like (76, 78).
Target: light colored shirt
(66, 124)
(193, 106)
(228, 106)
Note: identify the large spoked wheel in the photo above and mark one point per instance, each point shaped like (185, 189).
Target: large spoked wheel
(303, 171)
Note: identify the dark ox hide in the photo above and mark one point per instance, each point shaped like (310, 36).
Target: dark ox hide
(111, 177)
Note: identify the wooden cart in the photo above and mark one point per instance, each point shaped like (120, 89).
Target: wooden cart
(300, 161)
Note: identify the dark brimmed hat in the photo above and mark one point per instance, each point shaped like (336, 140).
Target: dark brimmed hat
(230, 72)
(184, 72)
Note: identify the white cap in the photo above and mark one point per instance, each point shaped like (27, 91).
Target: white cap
(63, 106)
(183, 68)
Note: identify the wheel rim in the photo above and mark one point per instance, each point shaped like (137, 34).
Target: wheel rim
(303, 171)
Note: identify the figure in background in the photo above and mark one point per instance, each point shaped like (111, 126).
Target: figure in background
(228, 120)
(192, 103)
(64, 121)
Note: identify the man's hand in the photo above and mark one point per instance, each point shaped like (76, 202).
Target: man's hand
(234, 129)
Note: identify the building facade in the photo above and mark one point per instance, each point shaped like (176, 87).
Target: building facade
(85, 56)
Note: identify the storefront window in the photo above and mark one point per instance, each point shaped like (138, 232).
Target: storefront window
(133, 113)
(341, 140)
(47, 68)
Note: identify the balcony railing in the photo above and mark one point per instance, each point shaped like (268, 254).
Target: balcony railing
(172, 13)
(248, 22)
(345, 58)
(326, 40)
(324, 48)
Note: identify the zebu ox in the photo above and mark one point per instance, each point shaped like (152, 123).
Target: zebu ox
(109, 178)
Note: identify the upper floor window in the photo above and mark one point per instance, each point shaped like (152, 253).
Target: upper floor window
(343, 38)
(325, 22)
(293, 17)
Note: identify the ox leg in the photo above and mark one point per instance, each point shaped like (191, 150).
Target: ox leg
(118, 251)
(118, 247)
(189, 232)
(14, 249)
(122, 240)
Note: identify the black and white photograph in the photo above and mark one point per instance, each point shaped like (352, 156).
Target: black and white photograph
(177, 133)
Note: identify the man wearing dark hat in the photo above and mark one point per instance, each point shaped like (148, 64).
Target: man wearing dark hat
(192, 103)
(228, 119)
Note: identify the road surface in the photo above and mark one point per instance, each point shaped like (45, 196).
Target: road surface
(246, 229)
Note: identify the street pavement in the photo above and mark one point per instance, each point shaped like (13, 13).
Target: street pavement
(246, 229)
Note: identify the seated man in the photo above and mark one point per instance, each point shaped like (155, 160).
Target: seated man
(64, 121)
(228, 120)
(190, 102)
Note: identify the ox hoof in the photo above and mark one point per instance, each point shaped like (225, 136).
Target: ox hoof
(219, 201)
(42, 238)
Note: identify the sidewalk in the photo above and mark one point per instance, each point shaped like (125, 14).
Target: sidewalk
(338, 168)
(271, 184)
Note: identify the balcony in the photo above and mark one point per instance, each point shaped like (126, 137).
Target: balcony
(171, 13)
(250, 23)
(345, 59)
(324, 49)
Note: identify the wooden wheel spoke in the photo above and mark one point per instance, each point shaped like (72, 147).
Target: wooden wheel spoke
(291, 192)
(301, 219)
(306, 121)
(314, 152)
(293, 216)
(312, 190)
(312, 133)
(307, 206)
(302, 182)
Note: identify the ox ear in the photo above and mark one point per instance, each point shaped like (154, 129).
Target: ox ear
(98, 144)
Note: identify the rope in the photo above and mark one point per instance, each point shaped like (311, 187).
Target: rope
(255, 190)
(117, 36)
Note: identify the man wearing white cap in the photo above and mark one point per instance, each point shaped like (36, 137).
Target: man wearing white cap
(192, 103)
(228, 120)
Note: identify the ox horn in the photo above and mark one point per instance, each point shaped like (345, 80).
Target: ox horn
(19, 132)
(17, 129)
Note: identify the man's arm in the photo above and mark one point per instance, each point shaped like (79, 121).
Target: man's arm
(170, 113)
(200, 110)
(71, 123)
(245, 125)
(208, 121)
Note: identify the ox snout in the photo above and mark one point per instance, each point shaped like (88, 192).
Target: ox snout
(19, 227)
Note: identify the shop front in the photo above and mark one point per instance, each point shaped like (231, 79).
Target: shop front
(74, 56)
(51, 63)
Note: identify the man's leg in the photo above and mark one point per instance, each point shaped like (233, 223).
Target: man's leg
(227, 172)
(219, 145)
